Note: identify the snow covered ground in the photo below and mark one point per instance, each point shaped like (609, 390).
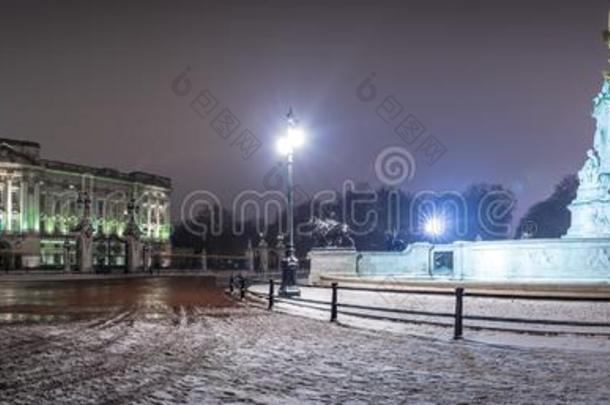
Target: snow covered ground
(509, 333)
(154, 354)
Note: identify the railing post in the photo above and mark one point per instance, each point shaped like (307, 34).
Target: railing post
(242, 288)
(231, 284)
(459, 309)
(270, 306)
(333, 303)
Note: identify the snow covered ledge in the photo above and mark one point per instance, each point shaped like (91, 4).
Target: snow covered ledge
(564, 260)
(332, 261)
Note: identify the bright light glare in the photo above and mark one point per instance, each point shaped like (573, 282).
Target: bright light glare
(283, 146)
(294, 138)
(434, 226)
(296, 135)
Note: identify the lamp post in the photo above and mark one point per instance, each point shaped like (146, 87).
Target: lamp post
(287, 144)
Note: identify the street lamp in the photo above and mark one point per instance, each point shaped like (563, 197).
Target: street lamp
(434, 226)
(286, 145)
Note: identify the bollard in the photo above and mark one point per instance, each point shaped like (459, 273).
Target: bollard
(270, 306)
(333, 303)
(231, 282)
(459, 298)
(242, 288)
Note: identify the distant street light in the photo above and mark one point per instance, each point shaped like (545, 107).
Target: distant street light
(434, 226)
(286, 145)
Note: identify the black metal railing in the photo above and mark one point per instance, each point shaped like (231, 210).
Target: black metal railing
(459, 294)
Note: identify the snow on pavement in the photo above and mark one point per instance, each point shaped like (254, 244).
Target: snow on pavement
(559, 336)
(190, 354)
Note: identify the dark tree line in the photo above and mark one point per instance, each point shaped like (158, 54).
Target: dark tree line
(550, 218)
(482, 211)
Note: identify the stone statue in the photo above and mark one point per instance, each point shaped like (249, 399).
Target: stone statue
(600, 139)
(601, 217)
(394, 243)
(331, 233)
(591, 208)
(590, 211)
(589, 174)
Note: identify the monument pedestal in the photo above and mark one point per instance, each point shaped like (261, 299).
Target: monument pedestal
(590, 220)
(84, 238)
(133, 247)
(84, 252)
(591, 208)
(336, 261)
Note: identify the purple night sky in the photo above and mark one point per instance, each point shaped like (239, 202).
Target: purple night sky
(505, 86)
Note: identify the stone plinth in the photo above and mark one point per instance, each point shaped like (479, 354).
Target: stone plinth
(84, 252)
(332, 261)
(413, 260)
(589, 220)
(133, 251)
(543, 260)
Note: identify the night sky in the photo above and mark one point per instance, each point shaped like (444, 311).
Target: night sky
(506, 86)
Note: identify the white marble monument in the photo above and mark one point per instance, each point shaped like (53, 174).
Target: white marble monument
(582, 255)
(591, 208)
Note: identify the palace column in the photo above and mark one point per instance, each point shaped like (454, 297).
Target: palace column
(23, 206)
(148, 217)
(35, 207)
(9, 205)
(51, 217)
(158, 219)
(4, 203)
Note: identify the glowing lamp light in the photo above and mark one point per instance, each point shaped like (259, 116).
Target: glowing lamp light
(434, 226)
(294, 138)
(283, 146)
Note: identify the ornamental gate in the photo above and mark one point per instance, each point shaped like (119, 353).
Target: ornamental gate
(109, 253)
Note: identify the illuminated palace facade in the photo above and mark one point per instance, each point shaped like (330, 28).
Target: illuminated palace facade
(39, 207)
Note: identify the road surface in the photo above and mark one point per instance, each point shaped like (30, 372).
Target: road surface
(181, 341)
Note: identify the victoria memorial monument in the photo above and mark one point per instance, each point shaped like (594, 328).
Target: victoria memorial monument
(582, 255)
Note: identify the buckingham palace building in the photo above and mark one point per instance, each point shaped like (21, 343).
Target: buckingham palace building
(40, 209)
